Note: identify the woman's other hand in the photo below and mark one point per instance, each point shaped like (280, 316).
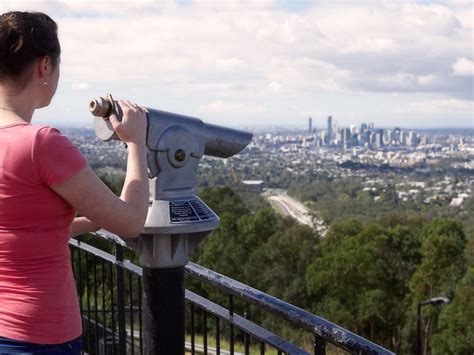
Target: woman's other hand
(132, 128)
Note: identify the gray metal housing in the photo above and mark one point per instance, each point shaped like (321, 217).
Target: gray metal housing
(177, 219)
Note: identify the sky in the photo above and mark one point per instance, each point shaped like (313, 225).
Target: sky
(267, 62)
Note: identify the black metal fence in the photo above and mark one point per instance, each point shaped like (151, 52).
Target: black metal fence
(110, 296)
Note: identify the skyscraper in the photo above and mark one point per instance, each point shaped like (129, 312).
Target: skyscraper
(379, 138)
(330, 133)
(411, 139)
(397, 135)
(346, 137)
(310, 124)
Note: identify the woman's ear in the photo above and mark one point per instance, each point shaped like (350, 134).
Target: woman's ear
(45, 66)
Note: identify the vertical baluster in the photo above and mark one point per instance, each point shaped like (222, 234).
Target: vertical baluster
(112, 308)
(75, 270)
(79, 280)
(262, 348)
(104, 316)
(319, 346)
(247, 343)
(246, 337)
(96, 311)
(140, 312)
(81, 289)
(88, 303)
(130, 286)
(204, 330)
(120, 299)
(193, 346)
(231, 313)
(218, 336)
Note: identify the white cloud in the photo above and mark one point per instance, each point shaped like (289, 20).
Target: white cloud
(233, 112)
(219, 106)
(464, 12)
(443, 105)
(333, 45)
(230, 63)
(274, 86)
(233, 53)
(463, 66)
(79, 86)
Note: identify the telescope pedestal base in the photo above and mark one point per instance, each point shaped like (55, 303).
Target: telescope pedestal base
(163, 311)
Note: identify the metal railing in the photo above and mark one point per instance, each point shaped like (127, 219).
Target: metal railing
(110, 296)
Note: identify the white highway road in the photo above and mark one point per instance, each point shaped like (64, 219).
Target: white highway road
(295, 209)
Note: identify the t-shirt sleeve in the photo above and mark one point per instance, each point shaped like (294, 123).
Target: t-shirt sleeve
(55, 157)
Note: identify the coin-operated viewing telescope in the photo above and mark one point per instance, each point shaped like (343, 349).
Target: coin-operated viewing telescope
(177, 219)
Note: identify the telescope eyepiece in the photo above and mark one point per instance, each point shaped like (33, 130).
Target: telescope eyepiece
(101, 107)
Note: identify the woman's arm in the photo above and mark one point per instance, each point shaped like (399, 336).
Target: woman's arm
(81, 225)
(124, 215)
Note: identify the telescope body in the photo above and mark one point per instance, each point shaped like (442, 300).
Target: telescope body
(219, 141)
(177, 219)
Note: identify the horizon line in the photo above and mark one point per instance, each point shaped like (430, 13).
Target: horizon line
(298, 127)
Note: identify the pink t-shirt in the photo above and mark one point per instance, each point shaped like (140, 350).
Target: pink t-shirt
(38, 301)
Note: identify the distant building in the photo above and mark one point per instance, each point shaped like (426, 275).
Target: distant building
(389, 137)
(456, 202)
(255, 184)
(330, 132)
(397, 135)
(310, 125)
(403, 137)
(411, 139)
(346, 137)
(379, 138)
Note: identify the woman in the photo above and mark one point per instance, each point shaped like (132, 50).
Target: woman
(44, 181)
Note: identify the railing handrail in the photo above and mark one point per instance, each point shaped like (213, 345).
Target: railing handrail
(321, 327)
(245, 325)
(318, 326)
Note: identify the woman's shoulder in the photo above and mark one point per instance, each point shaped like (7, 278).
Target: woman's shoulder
(43, 129)
(32, 129)
(38, 134)
(26, 133)
(39, 138)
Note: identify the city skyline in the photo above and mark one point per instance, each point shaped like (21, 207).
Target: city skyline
(269, 62)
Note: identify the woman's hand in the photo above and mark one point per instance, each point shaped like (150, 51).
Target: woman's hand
(132, 128)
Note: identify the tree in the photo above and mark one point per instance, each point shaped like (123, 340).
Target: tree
(361, 279)
(283, 261)
(223, 200)
(442, 266)
(456, 325)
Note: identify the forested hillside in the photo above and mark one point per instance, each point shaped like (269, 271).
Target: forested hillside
(378, 260)
(366, 276)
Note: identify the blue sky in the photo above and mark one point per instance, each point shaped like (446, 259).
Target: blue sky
(267, 62)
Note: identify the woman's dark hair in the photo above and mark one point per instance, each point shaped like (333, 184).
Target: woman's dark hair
(24, 37)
